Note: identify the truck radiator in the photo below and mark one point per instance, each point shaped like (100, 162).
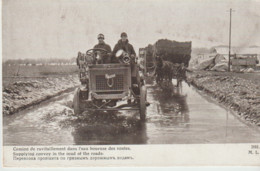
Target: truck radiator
(116, 83)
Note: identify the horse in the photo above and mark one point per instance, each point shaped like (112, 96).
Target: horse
(163, 70)
(166, 71)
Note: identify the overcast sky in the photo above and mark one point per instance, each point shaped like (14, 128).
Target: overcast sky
(61, 28)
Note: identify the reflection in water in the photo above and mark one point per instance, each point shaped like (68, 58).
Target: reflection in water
(46, 124)
(192, 118)
(108, 128)
(172, 106)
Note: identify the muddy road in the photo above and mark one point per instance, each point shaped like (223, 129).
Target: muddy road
(182, 116)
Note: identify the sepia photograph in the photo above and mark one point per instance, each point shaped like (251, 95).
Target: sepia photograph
(121, 75)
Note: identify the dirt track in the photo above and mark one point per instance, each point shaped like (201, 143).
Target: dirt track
(239, 91)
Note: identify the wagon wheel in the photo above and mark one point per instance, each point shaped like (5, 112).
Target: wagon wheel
(142, 103)
(77, 105)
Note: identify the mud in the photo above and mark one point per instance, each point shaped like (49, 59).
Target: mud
(239, 92)
(26, 93)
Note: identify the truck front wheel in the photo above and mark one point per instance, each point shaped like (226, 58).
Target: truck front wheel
(77, 106)
(142, 103)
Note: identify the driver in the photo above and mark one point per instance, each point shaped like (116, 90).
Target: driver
(124, 44)
(101, 44)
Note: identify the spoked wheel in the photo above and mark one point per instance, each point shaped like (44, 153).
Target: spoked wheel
(77, 106)
(142, 103)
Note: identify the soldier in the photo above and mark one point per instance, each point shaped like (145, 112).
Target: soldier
(80, 60)
(106, 58)
(123, 44)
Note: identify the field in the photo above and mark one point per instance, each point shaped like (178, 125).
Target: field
(38, 70)
(15, 73)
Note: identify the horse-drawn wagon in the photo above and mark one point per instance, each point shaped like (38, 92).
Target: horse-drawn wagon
(171, 59)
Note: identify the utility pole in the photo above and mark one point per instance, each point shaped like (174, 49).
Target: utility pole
(229, 47)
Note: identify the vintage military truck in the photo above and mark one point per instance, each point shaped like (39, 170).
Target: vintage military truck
(103, 86)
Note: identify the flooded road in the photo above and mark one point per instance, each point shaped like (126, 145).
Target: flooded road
(174, 117)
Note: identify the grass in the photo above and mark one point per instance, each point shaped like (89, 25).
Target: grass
(35, 71)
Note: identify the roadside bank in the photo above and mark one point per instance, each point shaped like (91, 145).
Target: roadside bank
(22, 94)
(238, 91)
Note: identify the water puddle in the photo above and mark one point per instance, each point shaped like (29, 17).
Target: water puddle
(175, 116)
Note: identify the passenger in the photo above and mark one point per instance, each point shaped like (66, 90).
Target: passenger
(123, 44)
(105, 57)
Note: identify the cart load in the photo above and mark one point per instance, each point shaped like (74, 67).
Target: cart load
(173, 51)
